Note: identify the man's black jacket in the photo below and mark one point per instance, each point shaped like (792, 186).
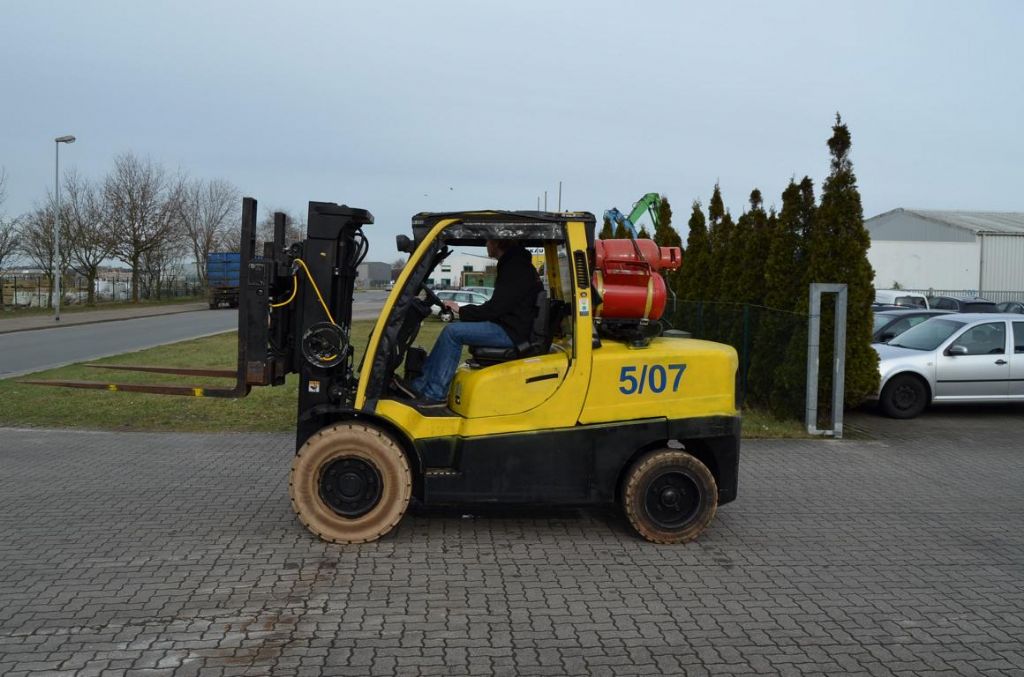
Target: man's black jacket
(515, 296)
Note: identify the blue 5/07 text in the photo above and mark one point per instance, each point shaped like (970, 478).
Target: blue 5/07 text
(655, 377)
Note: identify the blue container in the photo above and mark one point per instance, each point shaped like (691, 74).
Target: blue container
(222, 269)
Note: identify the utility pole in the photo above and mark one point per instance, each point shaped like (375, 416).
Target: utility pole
(56, 222)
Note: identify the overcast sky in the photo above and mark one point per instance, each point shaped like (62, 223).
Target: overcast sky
(430, 106)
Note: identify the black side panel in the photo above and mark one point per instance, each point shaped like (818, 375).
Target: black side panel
(541, 467)
(579, 465)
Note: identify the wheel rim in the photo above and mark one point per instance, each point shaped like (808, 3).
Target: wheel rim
(672, 499)
(904, 396)
(350, 486)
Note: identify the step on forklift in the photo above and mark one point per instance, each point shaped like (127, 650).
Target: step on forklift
(601, 405)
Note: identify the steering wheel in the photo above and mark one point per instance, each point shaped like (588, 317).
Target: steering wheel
(432, 298)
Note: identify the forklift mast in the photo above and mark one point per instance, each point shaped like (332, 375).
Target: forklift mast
(284, 326)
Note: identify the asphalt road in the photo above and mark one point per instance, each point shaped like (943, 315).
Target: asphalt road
(25, 352)
(28, 351)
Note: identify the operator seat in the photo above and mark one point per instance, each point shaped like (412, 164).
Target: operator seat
(539, 342)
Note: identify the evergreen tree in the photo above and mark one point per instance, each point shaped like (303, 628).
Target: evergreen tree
(620, 231)
(692, 275)
(788, 277)
(781, 281)
(666, 236)
(757, 239)
(642, 234)
(838, 253)
(720, 227)
(606, 230)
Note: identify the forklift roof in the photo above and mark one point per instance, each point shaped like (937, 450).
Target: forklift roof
(474, 227)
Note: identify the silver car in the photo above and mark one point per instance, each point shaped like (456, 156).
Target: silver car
(968, 357)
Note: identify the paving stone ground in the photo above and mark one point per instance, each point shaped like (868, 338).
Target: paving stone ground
(897, 553)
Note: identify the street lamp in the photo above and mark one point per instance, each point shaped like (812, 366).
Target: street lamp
(56, 219)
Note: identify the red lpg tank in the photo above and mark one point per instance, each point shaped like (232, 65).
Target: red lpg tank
(626, 275)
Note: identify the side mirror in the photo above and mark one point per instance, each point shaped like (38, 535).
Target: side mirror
(404, 244)
(955, 349)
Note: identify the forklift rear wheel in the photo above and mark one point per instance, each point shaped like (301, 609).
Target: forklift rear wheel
(669, 496)
(350, 483)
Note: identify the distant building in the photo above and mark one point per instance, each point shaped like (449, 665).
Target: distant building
(373, 275)
(451, 272)
(980, 252)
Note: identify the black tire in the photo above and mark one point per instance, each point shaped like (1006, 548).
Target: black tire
(669, 496)
(904, 396)
(447, 315)
(350, 483)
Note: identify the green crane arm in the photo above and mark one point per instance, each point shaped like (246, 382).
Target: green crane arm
(648, 203)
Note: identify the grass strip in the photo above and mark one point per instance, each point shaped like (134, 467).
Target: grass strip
(264, 410)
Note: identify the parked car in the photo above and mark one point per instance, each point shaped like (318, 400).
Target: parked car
(890, 321)
(974, 357)
(1011, 307)
(900, 297)
(962, 305)
(454, 299)
(486, 291)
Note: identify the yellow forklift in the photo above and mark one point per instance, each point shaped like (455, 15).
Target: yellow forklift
(601, 405)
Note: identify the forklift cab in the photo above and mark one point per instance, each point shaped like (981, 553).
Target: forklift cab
(483, 387)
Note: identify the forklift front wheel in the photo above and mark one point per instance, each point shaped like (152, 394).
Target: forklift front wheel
(669, 496)
(350, 483)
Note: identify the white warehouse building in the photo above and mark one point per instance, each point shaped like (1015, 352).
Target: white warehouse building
(972, 252)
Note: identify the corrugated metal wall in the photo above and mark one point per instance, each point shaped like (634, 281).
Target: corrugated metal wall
(1002, 262)
(905, 227)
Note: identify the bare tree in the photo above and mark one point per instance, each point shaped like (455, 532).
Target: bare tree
(141, 203)
(159, 265)
(9, 239)
(206, 210)
(294, 229)
(90, 241)
(38, 244)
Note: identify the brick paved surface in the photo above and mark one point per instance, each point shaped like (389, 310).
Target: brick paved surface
(146, 554)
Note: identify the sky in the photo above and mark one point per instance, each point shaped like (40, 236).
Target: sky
(402, 107)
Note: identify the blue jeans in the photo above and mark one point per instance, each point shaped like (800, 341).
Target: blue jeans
(439, 368)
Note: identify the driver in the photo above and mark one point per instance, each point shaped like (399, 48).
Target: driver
(501, 322)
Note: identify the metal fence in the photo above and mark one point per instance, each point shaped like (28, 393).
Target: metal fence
(997, 296)
(33, 291)
(766, 340)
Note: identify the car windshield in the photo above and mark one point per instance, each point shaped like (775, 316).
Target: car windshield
(927, 335)
(880, 321)
(978, 307)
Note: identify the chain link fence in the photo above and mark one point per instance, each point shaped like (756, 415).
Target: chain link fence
(33, 291)
(771, 345)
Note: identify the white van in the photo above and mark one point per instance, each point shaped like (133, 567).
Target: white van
(900, 297)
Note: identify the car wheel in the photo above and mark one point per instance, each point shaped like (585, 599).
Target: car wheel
(904, 396)
(447, 315)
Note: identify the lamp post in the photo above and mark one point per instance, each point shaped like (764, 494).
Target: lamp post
(56, 220)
